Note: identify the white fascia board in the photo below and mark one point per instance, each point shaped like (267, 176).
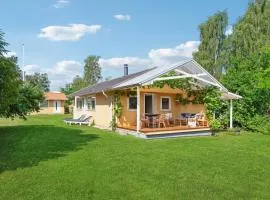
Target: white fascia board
(172, 67)
(210, 76)
(186, 76)
(178, 77)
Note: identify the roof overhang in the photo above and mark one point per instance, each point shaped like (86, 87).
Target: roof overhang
(230, 96)
(186, 68)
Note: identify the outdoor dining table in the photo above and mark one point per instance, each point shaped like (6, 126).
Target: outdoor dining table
(151, 118)
(152, 114)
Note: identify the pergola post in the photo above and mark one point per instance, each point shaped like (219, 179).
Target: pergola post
(138, 109)
(75, 102)
(231, 113)
(75, 106)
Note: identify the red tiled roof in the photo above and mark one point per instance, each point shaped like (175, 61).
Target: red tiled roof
(55, 96)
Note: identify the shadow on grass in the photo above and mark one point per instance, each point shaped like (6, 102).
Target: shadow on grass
(26, 146)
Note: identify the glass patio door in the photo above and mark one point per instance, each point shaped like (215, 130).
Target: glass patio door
(149, 103)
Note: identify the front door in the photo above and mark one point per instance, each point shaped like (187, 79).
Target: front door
(57, 106)
(149, 103)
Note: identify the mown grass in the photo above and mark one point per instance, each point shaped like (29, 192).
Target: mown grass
(42, 158)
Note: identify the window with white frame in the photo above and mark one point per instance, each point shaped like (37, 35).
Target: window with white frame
(132, 102)
(165, 103)
(91, 103)
(80, 103)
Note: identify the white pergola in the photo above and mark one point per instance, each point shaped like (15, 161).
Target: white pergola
(186, 68)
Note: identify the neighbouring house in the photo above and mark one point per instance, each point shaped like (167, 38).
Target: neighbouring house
(53, 103)
(149, 110)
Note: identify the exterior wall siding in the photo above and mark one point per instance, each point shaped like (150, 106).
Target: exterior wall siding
(128, 118)
(102, 114)
(50, 108)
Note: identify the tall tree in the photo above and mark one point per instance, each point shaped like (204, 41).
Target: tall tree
(212, 36)
(92, 70)
(9, 84)
(16, 97)
(248, 78)
(251, 32)
(3, 44)
(40, 80)
(245, 56)
(78, 83)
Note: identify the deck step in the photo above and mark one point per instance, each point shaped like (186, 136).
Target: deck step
(179, 134)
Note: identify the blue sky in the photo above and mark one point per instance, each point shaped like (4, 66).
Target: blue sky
(59, 34)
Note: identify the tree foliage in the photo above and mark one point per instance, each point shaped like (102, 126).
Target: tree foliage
(3, 44)
(245, 58)
(212, 36)
(27, 102)
(16, 98)
(78, 83)
(9, 84)
(251, 32)
(92, 70)
(39, 79)
(91, 75)
(247, 78)
(248, 68)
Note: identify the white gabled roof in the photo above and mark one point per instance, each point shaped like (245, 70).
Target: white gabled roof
(186, 67)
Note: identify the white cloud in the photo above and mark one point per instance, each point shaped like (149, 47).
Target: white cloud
(119, 62)
(155, 56)
(67, 66)
(61, 3)
(60, 74)
(31, 69)
(229, 30)
(169, 55)
(64, 71)
(10, 54)
(122, 17)
(72, 32)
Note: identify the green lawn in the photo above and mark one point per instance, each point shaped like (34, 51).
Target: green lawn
(42, 158)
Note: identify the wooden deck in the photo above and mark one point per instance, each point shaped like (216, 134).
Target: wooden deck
(173, 131)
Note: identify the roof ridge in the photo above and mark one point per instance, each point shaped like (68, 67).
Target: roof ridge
(113, 80)
(132, 74)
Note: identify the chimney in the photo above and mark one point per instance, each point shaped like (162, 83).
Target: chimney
(125, 69)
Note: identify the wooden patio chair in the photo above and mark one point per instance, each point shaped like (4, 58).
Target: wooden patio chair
(202, 122)
(201, 119)
(154, 122)
(181, 120)
(169, 117)
(164, 121)
(145, 122)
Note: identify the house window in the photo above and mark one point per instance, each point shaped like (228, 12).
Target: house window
(43, 104)
(132, 103)
(80, 103)
(165, 103)
(91, 103)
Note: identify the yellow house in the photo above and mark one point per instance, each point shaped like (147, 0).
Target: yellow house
(53, 103)
(150, 111)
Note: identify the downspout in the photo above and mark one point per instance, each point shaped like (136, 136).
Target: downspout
(104, 94)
